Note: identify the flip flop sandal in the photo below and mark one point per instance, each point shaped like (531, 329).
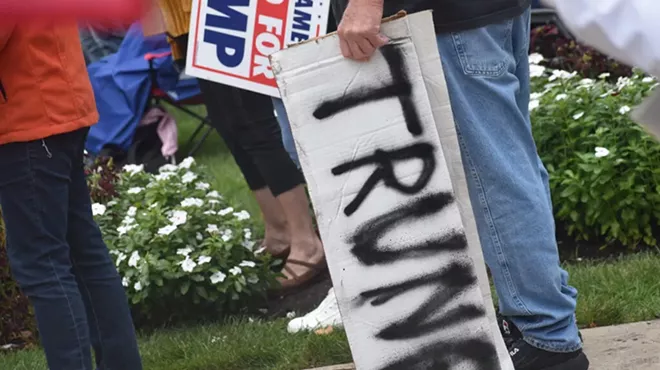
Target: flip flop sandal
(280, 256)
(299, 281)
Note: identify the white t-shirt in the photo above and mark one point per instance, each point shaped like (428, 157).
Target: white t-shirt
(627, 30)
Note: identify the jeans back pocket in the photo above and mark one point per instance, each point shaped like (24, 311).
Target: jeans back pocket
(485, 51)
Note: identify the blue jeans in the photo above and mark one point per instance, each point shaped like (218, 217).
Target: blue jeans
(487, 75)
(58, 257)
(285, 127)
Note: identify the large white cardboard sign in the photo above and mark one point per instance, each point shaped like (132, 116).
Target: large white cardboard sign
(379, 150)
(230, 40)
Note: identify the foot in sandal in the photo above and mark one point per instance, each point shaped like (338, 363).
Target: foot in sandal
(305, 262)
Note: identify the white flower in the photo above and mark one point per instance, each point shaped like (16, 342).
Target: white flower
(214, 194)
(536, 96)
(184, 251)
(168, 168)
(290, 315)
(604, 75)
(132, 169)
(536, 71)
(625, 109)
(202, 186)
(247, 234)
(559, 74)
(125, 282)
(235, 270)
(601, 152)
(203, 259)
(210, 212)
(112, 203)
(260, 251)
(586, 82)
(242, 215)
(248, 244)
(561, 97)
(164, 176)
(98, 209)
(128, 220)
(218, 277)
(167, 230)
(122, 230)
(188, 265)
(227, 235)
(226, 211)
(648, 79)
(199, 237)
(135, 190)
(135, 258)
(188, 177)
(179, 218)
(212, 229)
(186, 163)
(192, 202)
(137, 286)
(253, 280)
(214, 201)
(247, 264)
(533, 104)
(120, 258)
(132, 211)
(535, 58)
(578, 116)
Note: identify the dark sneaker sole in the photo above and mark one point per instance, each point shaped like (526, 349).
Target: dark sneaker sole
(578, 363)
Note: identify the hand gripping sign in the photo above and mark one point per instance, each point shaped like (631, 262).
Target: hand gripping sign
(230, 40)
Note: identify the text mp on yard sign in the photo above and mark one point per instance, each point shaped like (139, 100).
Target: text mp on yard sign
(230, 40)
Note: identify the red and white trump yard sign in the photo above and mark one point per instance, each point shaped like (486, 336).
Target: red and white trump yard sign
(230, 40)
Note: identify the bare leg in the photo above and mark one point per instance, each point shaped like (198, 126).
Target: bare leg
(305, 243)
(276, 239)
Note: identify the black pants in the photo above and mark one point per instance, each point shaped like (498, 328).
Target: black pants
(248, 125)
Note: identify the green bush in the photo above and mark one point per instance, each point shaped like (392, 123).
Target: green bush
(17, 325)
(179, 246)
(604, 169)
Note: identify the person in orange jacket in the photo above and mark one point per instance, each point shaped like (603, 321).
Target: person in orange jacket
(56, 251)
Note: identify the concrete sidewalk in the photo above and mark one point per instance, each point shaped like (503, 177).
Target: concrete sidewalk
(624, 347)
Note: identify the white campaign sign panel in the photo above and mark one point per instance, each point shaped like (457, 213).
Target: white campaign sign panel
(230, 40)
(379, 150)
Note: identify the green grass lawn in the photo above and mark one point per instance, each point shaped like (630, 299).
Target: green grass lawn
(611, 292)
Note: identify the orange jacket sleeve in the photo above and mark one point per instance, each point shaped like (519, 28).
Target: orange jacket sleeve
(5, 34)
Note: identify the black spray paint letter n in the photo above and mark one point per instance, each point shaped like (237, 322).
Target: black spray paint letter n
(400, 87)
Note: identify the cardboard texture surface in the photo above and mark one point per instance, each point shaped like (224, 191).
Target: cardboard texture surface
(378, 147)
(230, 41)
(648, 114)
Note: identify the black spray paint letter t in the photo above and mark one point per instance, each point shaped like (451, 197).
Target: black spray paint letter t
(400, 87)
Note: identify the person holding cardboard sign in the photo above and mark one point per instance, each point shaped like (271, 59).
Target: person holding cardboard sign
(484, 46)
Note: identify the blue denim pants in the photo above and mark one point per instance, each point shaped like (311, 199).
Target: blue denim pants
(59, 259)
(487, 75)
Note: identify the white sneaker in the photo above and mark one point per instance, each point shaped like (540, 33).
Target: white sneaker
(326, 314)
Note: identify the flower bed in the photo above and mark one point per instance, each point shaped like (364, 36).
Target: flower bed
(604, 169)
(178, 245)
(566, 54)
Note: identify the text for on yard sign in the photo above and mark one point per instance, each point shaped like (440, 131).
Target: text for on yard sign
(231, 39)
